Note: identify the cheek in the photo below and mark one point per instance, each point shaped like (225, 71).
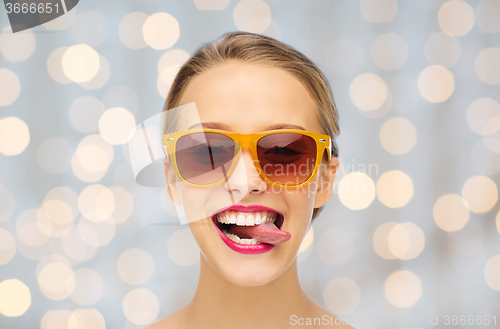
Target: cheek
(202, 202)
(301, 205)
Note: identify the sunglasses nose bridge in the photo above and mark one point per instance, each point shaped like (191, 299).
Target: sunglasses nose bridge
(246, 175)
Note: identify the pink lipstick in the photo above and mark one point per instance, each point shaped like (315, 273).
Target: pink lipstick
(269, 230)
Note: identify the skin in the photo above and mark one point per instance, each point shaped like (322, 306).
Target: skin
(233, 288)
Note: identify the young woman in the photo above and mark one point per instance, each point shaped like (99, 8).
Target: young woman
(267, 118)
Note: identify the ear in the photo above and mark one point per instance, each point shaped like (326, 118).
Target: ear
(327, 173)
(172, 188)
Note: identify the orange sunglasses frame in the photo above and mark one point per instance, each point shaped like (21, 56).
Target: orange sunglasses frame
(323, 142)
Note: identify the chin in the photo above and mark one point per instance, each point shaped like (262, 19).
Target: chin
(250, 276)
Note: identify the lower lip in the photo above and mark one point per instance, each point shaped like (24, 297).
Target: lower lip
(258, 248)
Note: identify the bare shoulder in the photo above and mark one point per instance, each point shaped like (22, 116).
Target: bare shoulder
(173, 321)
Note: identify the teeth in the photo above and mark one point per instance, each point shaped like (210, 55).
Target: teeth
(246, 219)
(237, 239)
(240, 221)
(250, 220)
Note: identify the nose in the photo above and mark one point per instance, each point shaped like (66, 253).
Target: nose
(245, 177)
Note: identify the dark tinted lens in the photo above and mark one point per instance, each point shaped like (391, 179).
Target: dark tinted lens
(204, 158)
(287, 158)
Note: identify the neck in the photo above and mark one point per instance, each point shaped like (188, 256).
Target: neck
(222, 304)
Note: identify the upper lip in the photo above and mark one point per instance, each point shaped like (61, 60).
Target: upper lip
(250, 208)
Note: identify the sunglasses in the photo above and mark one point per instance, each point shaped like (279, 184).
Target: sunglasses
(284, 157)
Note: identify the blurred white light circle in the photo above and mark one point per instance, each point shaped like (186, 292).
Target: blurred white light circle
(456, 18)
(172, 57)
(58, 211)
(389, 51)
(28, 230)
(481, 193)
(492, 126)
(480, 112)
(402, 289)
(308, 240)
(252, 16)
(10, 87)
(90, 27)
(211, 4)
(398, 240)
(394, 189)
(183, 249)
(54, 66)
(96, 234)
(368, 92)
(342, 295)
(140, 306)
(65, 194)
(380, 240)
(94, 157)
(76, 248)
(86, 318)
(17, 47)
(96, 203)
(61, 22)
(14, 136)
(130, 30)
(55, 319)
(344, 57)
(80, 63)
(436, 83)
(442, 49)
(379, 11)
(161, 31)
(124, 204)
(15, 298)
(356, 190)
(398, 136)
(488, 66)
(135, 266)
(89, 287)
(101, 77)
(492, 272)
(166, 78)
(56, 280)
(487, 14)
(55, 224)
(451, 212)
(84, 113)
(54, 155)
(115, 124)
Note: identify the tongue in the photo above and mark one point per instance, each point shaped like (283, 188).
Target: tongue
(264, 233)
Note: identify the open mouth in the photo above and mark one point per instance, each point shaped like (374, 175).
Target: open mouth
(251, 228)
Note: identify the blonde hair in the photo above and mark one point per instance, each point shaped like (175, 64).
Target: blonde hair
(259, 49)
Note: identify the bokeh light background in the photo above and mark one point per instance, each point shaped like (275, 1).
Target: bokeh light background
(417, 85)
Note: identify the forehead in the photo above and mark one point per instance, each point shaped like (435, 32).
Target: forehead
(248, 98)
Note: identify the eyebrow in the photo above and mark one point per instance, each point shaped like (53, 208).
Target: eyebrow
(222, 126)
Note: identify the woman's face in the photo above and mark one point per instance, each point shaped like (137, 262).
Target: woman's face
(247, 98)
